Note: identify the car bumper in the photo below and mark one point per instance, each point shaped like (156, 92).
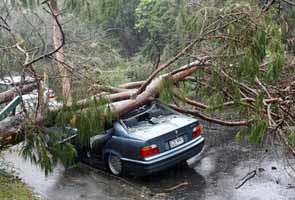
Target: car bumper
(146, 167)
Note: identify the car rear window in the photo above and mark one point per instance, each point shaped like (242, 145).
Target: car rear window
(152, 114)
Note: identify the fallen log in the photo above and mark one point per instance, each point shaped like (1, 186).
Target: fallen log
(132, 85)
(127, 100)
(10, 94)
(152, 90)
(9, 128)
(109, 97)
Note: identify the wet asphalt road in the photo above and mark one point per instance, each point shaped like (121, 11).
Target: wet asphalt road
(213, 176)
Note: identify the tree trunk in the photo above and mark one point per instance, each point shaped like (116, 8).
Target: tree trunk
(132, 85)
(10, 94)
(127, 100)
(9, 128)
(152, 90)
(64, 73)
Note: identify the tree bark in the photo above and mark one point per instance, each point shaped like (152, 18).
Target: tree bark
(132, 85)
(9, 129)
(110, 97)
(211, 119)
(152, 90)
(57, 42)
(125, 101)
(10, 94)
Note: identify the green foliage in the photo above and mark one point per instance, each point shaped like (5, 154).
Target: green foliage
(116, 76)
(98, 10)
(46, 150)
(258, 131)
(255, 54)
(116, 38)
(186, 89)
(166, 90)
(260, 43)
(65, 152)
(88, 122)
(258, 127)
(212, 93)
(138, 65)
(36, 150)
(115, 17)
(14, 188)
(291, 136)
(276, 52)
(240, 135)
(25, 3)
(291, 17)
(160, 20)
(152, 14)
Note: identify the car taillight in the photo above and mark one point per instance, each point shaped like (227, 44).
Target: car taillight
(149, 151)
(197, 131)
(51, 94)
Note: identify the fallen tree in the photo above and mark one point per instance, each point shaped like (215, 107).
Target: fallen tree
(9, 128)
(9, 95)
(253, 92)
(126, 100)
(245, 71)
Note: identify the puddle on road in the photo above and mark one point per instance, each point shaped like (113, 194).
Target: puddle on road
(275, 180)
(76, 183)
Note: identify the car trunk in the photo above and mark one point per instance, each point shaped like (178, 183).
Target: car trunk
(167, 130)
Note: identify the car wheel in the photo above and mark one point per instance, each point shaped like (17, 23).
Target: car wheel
(115, 164)
(82, 154)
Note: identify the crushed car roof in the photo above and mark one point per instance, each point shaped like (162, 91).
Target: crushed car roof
(154, 120)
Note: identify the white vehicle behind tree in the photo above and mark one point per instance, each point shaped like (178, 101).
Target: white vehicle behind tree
(30, 100)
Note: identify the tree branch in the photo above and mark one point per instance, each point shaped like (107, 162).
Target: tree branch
(211, 119)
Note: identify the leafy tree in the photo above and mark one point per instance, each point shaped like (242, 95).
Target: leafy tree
(244, 44)
(115, 17)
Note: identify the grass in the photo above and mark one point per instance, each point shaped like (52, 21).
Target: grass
(12, 188)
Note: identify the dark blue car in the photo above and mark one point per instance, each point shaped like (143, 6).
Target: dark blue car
(146, 140)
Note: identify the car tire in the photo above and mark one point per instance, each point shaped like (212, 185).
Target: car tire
(115, 164)
(81, 154)
(182, 164)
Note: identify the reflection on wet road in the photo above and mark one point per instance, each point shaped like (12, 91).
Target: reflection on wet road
(213, 176)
